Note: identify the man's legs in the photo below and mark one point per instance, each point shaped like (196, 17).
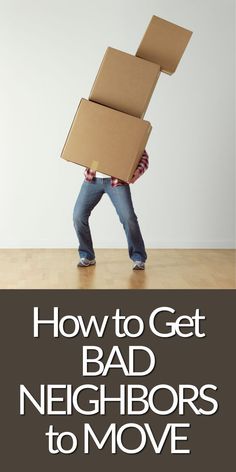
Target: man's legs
(90, 194)
(122, 201)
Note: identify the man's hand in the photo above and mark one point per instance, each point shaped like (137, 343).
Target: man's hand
(135, 177)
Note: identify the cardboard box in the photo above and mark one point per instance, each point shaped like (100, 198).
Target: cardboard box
(164, 43)
(106, 140)
(125, 82)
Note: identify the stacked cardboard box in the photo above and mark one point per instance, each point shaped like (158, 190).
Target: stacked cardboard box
(125, 82)
(164, 43)
(106, 140)
(108, 132)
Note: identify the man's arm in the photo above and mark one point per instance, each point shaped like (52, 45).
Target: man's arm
(141, 168)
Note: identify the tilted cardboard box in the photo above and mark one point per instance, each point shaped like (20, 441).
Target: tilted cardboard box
(164, 43)
(125, 82)
(106, 140)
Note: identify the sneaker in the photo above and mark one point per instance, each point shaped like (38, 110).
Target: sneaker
(139, 265)
(84, 262)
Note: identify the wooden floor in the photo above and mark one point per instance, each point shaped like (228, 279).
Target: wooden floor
(165, 269)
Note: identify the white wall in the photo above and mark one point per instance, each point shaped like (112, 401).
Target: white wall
(50, 53)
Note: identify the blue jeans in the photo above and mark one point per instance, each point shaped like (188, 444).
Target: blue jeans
(89, 196)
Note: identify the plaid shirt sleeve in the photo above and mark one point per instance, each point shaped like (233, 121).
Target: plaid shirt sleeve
(143, 163)
(89, 174)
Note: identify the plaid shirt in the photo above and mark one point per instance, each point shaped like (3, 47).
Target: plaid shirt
(141, 168)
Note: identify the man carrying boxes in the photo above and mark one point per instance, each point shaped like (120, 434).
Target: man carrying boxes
(108, 134)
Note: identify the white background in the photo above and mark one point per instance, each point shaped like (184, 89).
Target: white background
(50, 51)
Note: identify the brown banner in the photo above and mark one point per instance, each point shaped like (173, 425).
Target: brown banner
(182, 339)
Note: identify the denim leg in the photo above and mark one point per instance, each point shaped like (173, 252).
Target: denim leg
(90, 194)
(122, 201)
